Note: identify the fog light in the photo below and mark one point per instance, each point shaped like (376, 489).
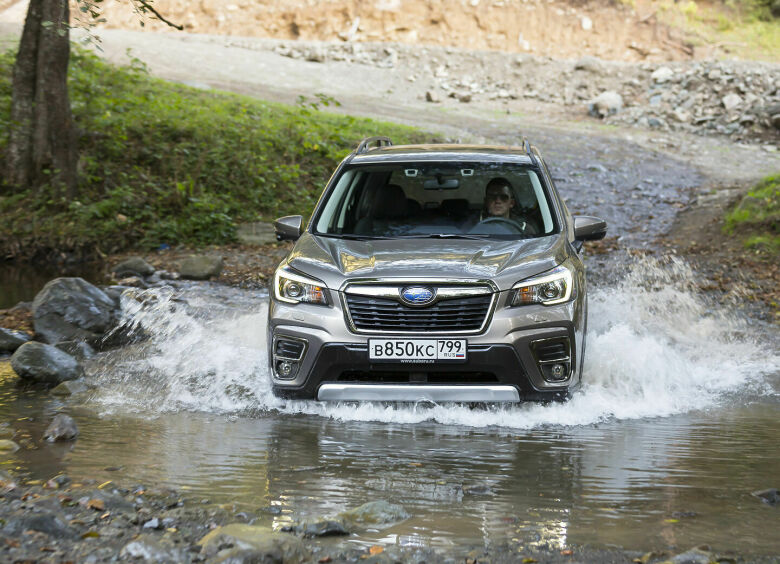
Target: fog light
(286, 369)
(555, 372)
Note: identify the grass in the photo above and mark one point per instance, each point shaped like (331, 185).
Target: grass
(163, 163)
(757, 217)
(743, 28)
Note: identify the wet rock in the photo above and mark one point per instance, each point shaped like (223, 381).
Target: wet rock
(662, 74)
(71, 309)
(7, 445)
(133, 282)
(770, 496)
(47, 523)
(605, 104)
(323, 528)
(69, 388)
(149, 549)
(380, 513)
(477, 489)
(200, 267)
(693, 556)
(256, 233)
(11, 340)
(153, 523)
(134, 266)
(265, 544)
(62, 428)
(44, 364)
(80, 350)
(6, 431)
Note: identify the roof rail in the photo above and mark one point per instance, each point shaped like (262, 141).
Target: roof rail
(380, 142)
(528, 149)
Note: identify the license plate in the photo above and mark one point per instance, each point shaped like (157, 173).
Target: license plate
(417, 350)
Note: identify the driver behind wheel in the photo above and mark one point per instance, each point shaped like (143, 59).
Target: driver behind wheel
(499, 199)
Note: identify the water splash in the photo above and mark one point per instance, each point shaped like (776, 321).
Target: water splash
(655, 348)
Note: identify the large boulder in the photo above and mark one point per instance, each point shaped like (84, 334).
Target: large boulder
(256, 233)
(69, 309)
(11, 340)
(376, 514)
(44, 364)
(605, 104)
(200, 267)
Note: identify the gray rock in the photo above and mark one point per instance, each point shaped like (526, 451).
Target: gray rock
(148, 549)
(256, 233)
(265, 544)
(11, 340)
(662, 74)
(80, 350)
(69, 388)
(431, 96)
(376, 513)
(605, 104)
(731, 102)
(133, 282)
(693, 556)
(47, 523)
(71, 309)
(589, 64)
(44, 364)
(153, 523)
(464, 97)
(134, 266)
(770, 496)
(62, 428)
(200, 267)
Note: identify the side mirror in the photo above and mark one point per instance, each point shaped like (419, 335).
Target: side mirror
(588, 228)
(289, 227)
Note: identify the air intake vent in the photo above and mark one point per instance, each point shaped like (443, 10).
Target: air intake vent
(287, 348)
(552, 350)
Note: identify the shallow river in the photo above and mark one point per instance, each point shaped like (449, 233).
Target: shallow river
(676, 426)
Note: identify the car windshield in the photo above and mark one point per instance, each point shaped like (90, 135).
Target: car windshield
(463, 200)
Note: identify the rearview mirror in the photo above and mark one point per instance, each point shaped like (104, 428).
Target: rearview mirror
(288, 228)
(588, 228)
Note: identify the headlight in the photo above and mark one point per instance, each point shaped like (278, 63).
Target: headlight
(552, 287)
(294, 288)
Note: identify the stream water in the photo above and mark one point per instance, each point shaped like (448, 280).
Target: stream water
(675, 427)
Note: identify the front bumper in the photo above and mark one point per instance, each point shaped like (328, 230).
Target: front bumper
(501, 366)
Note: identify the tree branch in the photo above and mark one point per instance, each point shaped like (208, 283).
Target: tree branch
(145, 5)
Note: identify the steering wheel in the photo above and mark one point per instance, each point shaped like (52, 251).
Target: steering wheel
(509, 223)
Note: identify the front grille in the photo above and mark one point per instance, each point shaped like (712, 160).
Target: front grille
(371, 313)
(551, 350)
(403, 377)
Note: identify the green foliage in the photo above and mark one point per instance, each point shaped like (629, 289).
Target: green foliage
(758, 216)
(166, 163)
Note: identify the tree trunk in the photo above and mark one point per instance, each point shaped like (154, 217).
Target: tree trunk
(42, 142)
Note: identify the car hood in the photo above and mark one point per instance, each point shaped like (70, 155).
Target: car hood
(335, 261)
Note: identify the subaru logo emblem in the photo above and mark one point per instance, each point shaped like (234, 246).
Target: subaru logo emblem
(417, 295)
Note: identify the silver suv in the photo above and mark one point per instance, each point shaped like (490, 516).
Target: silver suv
(432, 272)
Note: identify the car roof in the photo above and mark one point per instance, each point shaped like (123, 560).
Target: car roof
(443, 153)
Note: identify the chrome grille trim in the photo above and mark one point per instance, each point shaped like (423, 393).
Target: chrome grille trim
(478, 315)
(411, 392)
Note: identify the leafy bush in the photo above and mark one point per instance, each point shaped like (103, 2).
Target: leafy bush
(167, 163)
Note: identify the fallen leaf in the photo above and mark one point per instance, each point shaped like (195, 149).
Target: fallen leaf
(325, 560)
(104, 484)
(376, 549)
(90, 535)
(567, 552)
(671, 520)
(529, 560)
(12, 543)
(48, 549)
(106, 515)
(172, 530)
(415, 464)
(96, 504)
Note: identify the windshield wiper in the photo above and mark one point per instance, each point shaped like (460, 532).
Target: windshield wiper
(448, 236)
